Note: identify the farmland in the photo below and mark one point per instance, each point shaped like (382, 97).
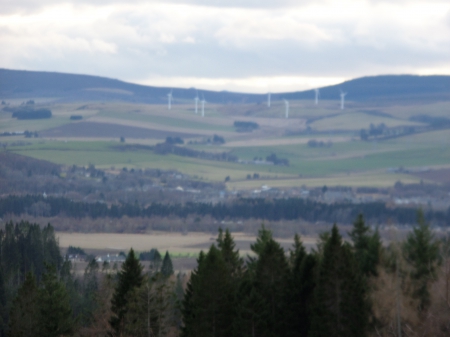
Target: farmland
(346, 160)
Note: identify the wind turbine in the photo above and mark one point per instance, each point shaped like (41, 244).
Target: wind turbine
(169, 100)
(196, 103)
(317, 95)
(286, 105)
(343, 99)
(203, 106)
(268, 99)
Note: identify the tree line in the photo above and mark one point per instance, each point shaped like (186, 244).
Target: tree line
(337, 289)
(341, 288)
(41, 295)
(243, 208)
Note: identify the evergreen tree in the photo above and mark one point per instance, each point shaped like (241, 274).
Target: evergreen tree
(264, 236)
(271, 276)
(3, 304)
(251, 310)
(189, 303)
(299, 291)
(167, 266)
(422, 252)
(54, 306)
(129, 278)
(366, 246)
(208, 308)
(339, 307)
(25, 316)
(298, 252)
(226, 245)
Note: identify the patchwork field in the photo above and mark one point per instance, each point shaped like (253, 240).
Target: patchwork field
(177, 244)
(341, 159)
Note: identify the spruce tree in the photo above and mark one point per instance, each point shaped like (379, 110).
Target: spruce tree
(208, 307)
(129, 278)
(422, 252)
(226, 245)
(270, 281)
(167, 266)
(54, 303)
(189, 304)
(25, 316)
(299, 291)
(339, 307)
(366, 246)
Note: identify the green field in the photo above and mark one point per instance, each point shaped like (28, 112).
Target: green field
(348, 161)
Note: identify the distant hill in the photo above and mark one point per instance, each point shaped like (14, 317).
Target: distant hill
(71, 87)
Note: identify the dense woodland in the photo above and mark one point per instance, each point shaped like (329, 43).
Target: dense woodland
(355, 288)
(243, 208)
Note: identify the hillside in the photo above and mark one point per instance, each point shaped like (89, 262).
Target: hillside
(71, 87)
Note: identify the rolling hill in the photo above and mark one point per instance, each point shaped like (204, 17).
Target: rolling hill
(72, 87)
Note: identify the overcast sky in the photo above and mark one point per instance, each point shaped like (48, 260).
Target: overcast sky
(239, 45)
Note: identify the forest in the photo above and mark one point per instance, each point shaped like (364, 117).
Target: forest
(359, 287)
(242, 208)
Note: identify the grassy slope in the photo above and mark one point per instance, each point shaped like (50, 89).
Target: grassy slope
(347, 162)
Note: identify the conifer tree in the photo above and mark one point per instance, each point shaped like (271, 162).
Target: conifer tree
(25, 315)
(189, 303)
(299, 290)
(339, 307)
(129, 278)
(210, 307)
(54, 306)
(226, 245)
(271, 276)
(264, 236)
(366, 245)
(251, 311)
(167, 266)
(422, 251)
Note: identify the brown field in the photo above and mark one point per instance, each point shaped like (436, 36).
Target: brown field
(105, 130)
(438, 176)
(175, 243)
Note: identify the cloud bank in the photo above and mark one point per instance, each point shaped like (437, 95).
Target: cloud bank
(252, 46)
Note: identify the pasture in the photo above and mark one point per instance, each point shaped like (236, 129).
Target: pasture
(343, 160)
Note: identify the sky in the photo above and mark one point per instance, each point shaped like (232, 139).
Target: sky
(246, 45)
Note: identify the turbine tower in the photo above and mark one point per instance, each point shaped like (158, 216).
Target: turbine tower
(196, 103)
(169, 100)
(317, 95)
(268, 100)
(286, 105)
(343, 99)
(203, 106)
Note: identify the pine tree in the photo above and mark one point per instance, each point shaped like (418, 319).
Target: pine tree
(55, 310)
(189, 303)
(339, 307)
(251, 311)
(25, 315)
(129, 278)
(226, 245)
(299, 290)
(422, 251)
(270, 281)
(208, 307)
(367, 247)
(167, 266)
(3, 303)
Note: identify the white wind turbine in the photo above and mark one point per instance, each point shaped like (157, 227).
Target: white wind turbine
(317, 92)
(169, 100)
(203, 106)
(196, 103)
(343, 99)
(286, 105)
(268, 99)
